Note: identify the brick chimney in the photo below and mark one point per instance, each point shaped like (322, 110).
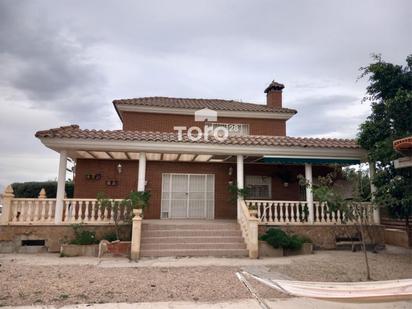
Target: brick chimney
(274, 94)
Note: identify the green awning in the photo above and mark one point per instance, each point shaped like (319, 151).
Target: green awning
(281, 160)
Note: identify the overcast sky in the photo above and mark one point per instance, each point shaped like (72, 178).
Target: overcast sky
(63, 62)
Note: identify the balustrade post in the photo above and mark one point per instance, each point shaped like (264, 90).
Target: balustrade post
(8, 196)
(136, 235)
(253, 226)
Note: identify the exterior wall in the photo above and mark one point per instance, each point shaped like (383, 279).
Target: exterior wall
(127, 180)
(324, 236)
(287, 172)
(224, 208)
(84, 188)
(165, 123)
(54, 236)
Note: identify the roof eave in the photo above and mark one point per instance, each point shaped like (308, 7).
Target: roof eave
(59, 144)
(284, 115)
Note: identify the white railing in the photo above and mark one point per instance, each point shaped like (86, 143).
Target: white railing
(249, 227)
(89, 211)
(32, 210)
(41, 211)
(297, 212)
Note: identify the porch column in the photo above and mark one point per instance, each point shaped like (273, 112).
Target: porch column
(61, 183)
(141, 180)
(309, 193)
(372, 172)
(239, 181)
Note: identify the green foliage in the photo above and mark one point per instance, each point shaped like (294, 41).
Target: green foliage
(360, 181)
(32, 189)
(279, 239)
(324, 192)
(390, 95)
(82, 236)
(236, 192)
(122, 210)
(138, 199)
(395, 191)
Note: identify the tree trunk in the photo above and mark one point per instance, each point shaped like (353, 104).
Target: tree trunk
(368, 272)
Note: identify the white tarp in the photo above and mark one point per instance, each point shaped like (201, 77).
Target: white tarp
(341, 290)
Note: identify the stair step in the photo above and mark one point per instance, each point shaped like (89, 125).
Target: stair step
(202, 226)
(195, 252)
(182, 233)
(186, 246)
(191, 239)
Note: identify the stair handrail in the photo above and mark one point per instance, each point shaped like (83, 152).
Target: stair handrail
(249, 227)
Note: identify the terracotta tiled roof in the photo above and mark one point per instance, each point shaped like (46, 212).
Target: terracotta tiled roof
(215, 104)
(74, 132)
(403, 144)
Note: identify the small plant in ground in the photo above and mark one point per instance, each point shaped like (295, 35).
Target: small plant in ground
(64, 296)
(82, 236)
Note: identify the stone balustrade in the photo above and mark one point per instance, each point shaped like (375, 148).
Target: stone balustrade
(42, 210)
(296, 212)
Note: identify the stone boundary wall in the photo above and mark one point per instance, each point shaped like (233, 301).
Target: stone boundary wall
(54, 236)
(323, 236)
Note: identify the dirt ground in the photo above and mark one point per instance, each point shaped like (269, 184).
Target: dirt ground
(27, 284)
(346, 266)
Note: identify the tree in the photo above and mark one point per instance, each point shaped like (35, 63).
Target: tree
(352, 211)
(390, 95)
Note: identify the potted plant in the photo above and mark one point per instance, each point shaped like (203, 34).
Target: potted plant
(138, 201)
(276, 242)
(83, 244)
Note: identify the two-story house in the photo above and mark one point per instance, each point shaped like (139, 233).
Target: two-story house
(189, 152)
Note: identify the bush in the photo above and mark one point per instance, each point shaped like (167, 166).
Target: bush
(276, 238)
(32, 189)
(82, 236)
(279, 239)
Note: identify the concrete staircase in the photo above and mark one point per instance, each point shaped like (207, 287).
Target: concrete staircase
(192, 238)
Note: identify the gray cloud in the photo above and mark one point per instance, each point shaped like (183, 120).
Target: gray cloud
(64, 61)
(46, 63)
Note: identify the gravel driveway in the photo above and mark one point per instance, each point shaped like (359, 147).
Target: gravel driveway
(28, 283)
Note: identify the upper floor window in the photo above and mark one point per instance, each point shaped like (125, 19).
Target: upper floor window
(233, 128)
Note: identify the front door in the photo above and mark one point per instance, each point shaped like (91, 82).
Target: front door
(188, 196)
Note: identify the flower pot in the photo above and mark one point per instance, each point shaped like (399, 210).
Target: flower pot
(266, 250)
(138, 212)
(253, 213)
(79, 250)
(307, 248)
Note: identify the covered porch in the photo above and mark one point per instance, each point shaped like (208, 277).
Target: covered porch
(137, 161)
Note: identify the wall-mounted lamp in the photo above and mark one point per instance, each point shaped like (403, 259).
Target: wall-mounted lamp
(119, 168)
(230, 171)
